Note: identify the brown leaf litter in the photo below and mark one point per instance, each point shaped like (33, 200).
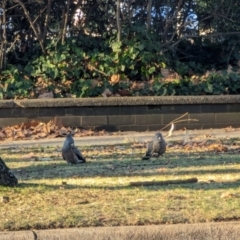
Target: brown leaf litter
(38, 130)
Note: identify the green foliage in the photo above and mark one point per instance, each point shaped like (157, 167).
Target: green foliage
(202, 54)
(83, 67)
(71, 67)
(14, 83)
(79, 56)
(214, 84)
(137, 58)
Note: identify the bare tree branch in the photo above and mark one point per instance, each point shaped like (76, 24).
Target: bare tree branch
(118, 20)
(232, 51)
(149, 14)
(65, 22)
(3, 59)
(46, 20)
(32, 25)
(169, 22)
(168, 44)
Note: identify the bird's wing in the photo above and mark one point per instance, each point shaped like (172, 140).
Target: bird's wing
(149, 148)
(63, 155)
(68, 155)
(162, 148)
(78, 153)
(156, 144)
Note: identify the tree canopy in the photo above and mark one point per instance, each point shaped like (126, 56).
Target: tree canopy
(44, 43)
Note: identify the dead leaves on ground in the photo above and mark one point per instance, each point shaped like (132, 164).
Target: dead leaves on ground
(205, 146)
(229, 195)
(4, 199)
(218, 148)
(214, 146)
(38, 130)
(200, 146)
(53, 129)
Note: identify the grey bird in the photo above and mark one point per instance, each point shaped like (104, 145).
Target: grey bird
(70, 152)
(156, 147)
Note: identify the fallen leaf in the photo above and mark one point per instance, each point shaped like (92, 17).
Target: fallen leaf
(218, 147)
(29, 156)
(202, 143)
(228, 195)
(138, 85)
(138, 145)
(30, 124)
(46, 95)
(5, 199)
(139, 199)
(115, 78)
(124, 92)
(2, 135)
(83, 202)
(107, 93)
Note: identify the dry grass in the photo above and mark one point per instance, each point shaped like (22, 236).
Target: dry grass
(53, 194)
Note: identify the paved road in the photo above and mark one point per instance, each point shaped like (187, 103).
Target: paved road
(198, 135)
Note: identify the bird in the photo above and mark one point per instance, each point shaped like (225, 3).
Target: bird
(70, 152)
(7, 178)
(156, 147)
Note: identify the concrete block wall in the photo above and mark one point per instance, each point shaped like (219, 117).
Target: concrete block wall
(126, 114)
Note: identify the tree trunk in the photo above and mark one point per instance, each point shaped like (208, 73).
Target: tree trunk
(118, 20)
(3, 39)
(7, 178)
(149, 14)
(64, 32)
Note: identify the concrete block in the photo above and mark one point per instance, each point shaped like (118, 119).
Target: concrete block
(149, 119)
(94, 120)
(122, 120)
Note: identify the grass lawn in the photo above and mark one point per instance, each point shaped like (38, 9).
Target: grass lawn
(53, 194)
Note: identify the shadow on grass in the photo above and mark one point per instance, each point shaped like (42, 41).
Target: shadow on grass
(46, 186)
(165, 166)
(225, 185)
(107, 153)
(171, 165)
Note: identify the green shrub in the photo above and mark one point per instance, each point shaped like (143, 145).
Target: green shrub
(83, 67)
